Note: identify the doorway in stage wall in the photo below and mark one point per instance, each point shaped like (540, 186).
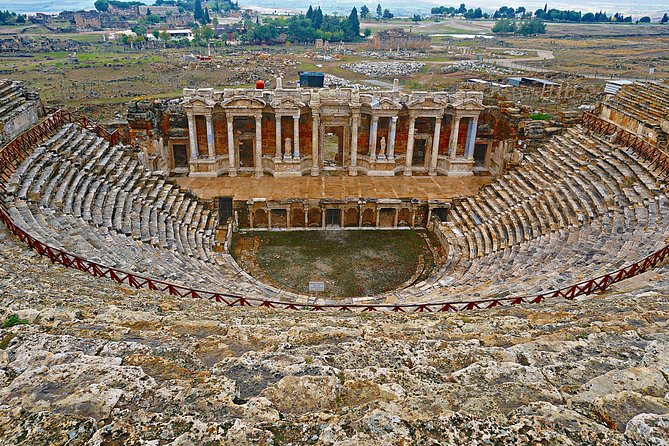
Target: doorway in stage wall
(419, 149)
(180, 156)
(332, 150)
(479, 155)
(246, 153)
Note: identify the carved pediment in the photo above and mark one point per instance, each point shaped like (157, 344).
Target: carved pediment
(469, 105)
(426, 103)
(199, 101)
(243, 102)
(386, 104)
(287, 104)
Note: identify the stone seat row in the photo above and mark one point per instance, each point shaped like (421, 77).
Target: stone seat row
(571, 180)
(79, 173)
(648, 102)
(73, 234)
(557, 259)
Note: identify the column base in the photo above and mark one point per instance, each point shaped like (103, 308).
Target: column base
(353, 171)
(314, 172)
(258, 173)
(407, 172)
(432, 172)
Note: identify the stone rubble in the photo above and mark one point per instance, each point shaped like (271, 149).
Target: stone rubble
(100, 364)
(385, 69)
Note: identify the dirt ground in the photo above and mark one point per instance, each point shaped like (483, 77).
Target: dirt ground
(350, 263)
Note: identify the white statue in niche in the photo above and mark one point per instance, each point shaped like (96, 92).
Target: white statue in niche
(288, 148)
(382, 152)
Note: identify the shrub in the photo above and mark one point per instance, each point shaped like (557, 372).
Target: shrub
(541, 116)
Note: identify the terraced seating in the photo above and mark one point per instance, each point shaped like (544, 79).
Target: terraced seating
(570, 181)
(644, 102)
(78, 173)
(78, 193)
(578, 207)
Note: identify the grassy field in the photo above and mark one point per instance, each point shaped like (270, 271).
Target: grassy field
(351, 263)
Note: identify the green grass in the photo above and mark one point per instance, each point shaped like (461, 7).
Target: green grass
(13, 320)
(541, 116)
(351, 263)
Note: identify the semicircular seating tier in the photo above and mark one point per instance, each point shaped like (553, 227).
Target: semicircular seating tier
(576, 208)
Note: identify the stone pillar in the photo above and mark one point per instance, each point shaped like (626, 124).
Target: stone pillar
(435, 146)
(296, 137)
(374, 128)
(192, 134)
(257, 154)
(393, 132)
(232, 170)
(277, 134)
(355, 119)
(211, 148)
(315, 141)
(471, 138)
(453, 142)
(410, 142)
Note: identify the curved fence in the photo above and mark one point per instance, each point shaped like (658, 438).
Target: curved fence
(17, 150)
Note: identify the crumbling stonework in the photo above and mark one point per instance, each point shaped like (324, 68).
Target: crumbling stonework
(393, 39)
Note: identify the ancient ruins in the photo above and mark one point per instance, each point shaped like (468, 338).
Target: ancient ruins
(295, 132)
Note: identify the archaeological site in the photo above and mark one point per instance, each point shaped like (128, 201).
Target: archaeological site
(370, 251)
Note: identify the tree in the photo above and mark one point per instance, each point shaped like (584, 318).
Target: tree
(379, 11)
(156, 33)
(416, 18)
(588, 17)
(205, 18)
(504, 26)
(354, 22)
(462, 9)
(198, 13)
(101, 5)
(364, 11)
(644, 19)
(310, 13)
(318, 18)
(387, 14)
(367, 32)
(531, 27)
(665, 18)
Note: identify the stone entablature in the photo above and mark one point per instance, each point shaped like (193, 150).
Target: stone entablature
(293, 132)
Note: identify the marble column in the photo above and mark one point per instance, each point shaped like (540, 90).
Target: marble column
(354, 144)
(453, 142)
(296, 136)
(192, 134)
(435, 146)
(211, 148)
(315, 141)
(393, 132)
(373, 131)
(277, 134)
(232, 170)
(257, 154)
(410, 143)
(471, 138)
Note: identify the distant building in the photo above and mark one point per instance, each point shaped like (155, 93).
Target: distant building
(399, 39)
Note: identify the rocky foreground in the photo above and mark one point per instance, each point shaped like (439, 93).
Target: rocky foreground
(98, 364)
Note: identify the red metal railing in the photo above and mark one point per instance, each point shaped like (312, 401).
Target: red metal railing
(12, 154)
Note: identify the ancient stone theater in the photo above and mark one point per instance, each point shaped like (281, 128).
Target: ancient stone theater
(295, 132)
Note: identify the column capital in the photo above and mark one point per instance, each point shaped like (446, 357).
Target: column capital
(394, 118)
